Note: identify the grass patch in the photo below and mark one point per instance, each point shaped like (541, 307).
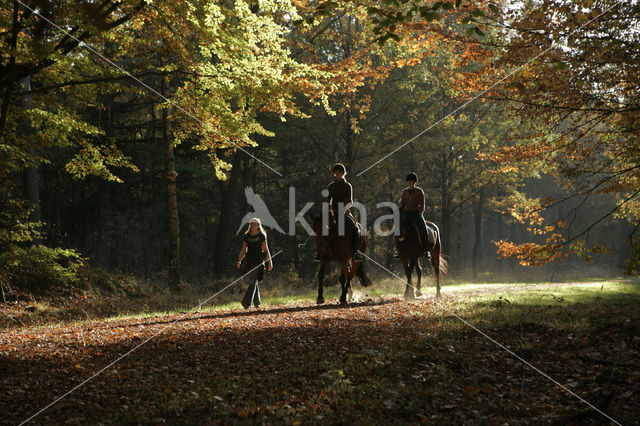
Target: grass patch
(550, 304)
(139, 299)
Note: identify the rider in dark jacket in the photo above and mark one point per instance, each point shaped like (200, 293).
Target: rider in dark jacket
(341, 193)
(412, 207)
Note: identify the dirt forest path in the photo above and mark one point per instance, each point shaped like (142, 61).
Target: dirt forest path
(484, 289)
(377, 361)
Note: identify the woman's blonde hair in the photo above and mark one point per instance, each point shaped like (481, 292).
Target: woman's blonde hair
(256, 220)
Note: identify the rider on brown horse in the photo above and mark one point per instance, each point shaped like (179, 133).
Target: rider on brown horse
(411, 209)
(341, 197)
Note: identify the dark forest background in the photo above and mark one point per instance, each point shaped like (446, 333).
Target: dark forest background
(153, 186)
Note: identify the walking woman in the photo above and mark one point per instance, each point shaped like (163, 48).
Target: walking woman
(254, 251)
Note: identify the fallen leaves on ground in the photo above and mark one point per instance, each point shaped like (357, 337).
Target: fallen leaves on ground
(379, 361)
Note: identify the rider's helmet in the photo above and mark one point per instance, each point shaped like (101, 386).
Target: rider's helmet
(340, 167)
(412, 176)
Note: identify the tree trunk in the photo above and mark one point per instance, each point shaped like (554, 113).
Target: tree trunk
(173, 275)
(30, 173)
(105, 247)
(390, 240)
(499, 264)
(254, 176)
(476, 257)
(335, 145)
(349, 140)
(445, 210)
(4, 110)
(371, 241)
(224, 224)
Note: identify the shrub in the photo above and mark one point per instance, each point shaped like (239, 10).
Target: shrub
(39, 267)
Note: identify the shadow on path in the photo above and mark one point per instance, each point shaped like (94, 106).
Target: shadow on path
(256, 312)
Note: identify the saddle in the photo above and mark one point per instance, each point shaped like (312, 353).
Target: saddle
(333, 229)
(427, 241)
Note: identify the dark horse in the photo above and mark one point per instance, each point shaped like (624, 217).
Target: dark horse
(410, 251)
(339, 249)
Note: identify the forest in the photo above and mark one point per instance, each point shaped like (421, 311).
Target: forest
(138, 137)
(132, 153)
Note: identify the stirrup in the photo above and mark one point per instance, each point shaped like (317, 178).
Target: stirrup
(396, 255)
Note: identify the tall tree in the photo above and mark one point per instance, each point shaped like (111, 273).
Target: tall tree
(172, 196)
(580, 79)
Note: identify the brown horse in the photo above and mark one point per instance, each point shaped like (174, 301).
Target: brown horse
(339, 249)
(410, 251)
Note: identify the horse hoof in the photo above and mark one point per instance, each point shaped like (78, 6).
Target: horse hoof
(320, 301)
(409, 295)
(344, 303)
(438, 296)
(419, 293)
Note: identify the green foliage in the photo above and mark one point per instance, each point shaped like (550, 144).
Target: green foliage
(251, 72)
(103, 281)
(26, 265)
(390, 17)
(39, 267)
(15, 227)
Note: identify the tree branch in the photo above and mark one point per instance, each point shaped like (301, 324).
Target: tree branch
(45, 89)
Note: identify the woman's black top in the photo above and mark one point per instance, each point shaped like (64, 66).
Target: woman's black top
(255, 255)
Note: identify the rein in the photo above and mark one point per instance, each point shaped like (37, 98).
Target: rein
(305, 241)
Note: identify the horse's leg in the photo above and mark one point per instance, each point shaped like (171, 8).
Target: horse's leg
(408, 291)
(321, 273)
(343, 281)
(419, 272)
(350, 274)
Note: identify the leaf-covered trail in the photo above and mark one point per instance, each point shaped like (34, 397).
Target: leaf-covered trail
(377, 361)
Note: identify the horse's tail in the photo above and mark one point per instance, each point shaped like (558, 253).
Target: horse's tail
(443, 265)
(362, 277)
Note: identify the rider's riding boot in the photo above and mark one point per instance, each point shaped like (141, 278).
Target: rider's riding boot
(355, 239)
(396, 255)
(357, 257)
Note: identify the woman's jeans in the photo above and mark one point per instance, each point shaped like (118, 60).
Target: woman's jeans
(252, 295)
